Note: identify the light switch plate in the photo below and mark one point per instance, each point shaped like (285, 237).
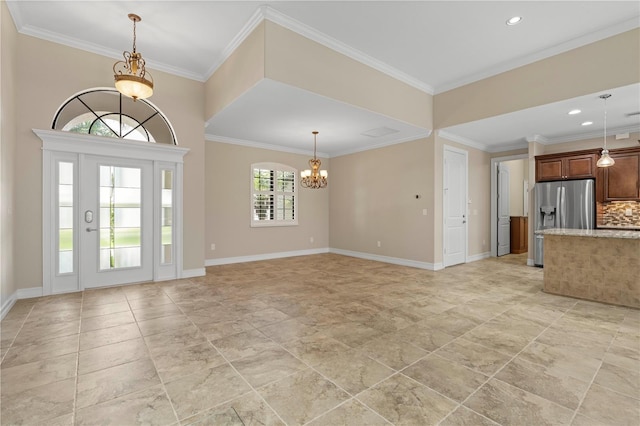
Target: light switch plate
(628, 212)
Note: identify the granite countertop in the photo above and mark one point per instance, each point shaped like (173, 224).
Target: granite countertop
(620, 227)
(597, 233)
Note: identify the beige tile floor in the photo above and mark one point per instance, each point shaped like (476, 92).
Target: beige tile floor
(323, 340)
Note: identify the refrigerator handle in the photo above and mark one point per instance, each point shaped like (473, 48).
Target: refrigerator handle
(562, 217)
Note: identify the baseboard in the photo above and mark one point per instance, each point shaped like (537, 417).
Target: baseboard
(29, 293)
(190, 273)
(267, 256)
(389, 259)
(8, 304)
(476, 257)
(21, 293)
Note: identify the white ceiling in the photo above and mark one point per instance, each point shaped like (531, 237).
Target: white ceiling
(551, 123)
(433, 45)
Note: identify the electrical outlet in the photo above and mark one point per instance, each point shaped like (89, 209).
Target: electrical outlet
(379, 244)
(424, 212)
(628, 212)
(213, 246)
(311, 240)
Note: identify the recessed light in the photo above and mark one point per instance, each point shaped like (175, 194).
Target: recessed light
(575, 111)
(587, 123)
(514, 20)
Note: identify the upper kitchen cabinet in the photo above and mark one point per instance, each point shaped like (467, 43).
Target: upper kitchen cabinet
(621, 182)
(576, 165)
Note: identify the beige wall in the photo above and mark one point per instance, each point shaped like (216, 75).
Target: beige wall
(241, 71)
(609, 63)
(301, 62)
(372, 198)
(228, 202)
(49, 74)
(9, 51)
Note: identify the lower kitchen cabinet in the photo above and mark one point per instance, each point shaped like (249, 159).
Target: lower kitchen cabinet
(519, 234)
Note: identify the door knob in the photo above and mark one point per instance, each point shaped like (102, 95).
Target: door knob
(92, 229)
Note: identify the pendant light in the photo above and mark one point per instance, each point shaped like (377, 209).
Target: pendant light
(605, 160)
(314, 178)
(132, 79)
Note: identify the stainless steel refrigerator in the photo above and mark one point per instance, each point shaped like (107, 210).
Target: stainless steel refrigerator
(563, 204)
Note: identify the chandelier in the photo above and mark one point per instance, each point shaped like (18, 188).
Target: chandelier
(314, 178)
(130, 75)
(605, 160)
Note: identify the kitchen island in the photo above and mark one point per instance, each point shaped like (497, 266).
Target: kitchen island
(595, 264)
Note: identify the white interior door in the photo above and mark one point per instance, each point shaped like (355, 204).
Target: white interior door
(455, 206)
(116, 221)
(504, 219)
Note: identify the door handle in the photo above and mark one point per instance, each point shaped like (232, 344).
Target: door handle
(92, 229)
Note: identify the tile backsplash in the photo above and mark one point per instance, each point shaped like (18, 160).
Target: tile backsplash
(615, 213)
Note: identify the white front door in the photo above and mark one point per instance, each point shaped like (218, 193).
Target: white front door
(116, 221)
(455, 206)
(504, 220)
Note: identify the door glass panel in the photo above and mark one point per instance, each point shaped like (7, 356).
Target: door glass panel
(120, 213)
(65, 217)
(166, 219)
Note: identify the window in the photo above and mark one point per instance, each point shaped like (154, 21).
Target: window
(273, 195)
(105, 112)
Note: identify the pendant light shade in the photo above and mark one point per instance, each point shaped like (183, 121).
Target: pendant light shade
(130, 75)
(605, 160)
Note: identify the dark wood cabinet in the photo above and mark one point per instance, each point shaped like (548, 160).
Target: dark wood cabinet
(519, 234)
(621, 182)
(577, 165)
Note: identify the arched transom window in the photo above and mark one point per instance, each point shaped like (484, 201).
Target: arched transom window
(106, 112)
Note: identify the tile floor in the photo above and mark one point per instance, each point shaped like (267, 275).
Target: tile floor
(323, 340)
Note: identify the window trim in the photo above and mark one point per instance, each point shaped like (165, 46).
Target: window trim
(274, 167)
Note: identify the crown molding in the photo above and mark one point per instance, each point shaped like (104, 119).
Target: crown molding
(583, 40)
(271, 147)
(592, 135)
(508, 147)
(537, 138)
(249, 26)
(100, 50)
(336, 45)
(480, 146)
(383, 144)
(462, 140)
(261, 145)
(14, 11)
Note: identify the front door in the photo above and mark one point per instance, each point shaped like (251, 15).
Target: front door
(116, 221)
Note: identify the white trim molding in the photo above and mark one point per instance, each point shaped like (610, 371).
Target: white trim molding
(388, 259)
(344, 49)
(480, 256)
(7, 304)
(266, 256)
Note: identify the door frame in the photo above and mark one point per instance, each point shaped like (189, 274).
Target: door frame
(444, 204)
(494, 197)
(501, 199)
(59, 144)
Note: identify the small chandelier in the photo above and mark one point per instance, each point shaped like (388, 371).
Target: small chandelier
(130, 75)
(314, 178)
(605, 160)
